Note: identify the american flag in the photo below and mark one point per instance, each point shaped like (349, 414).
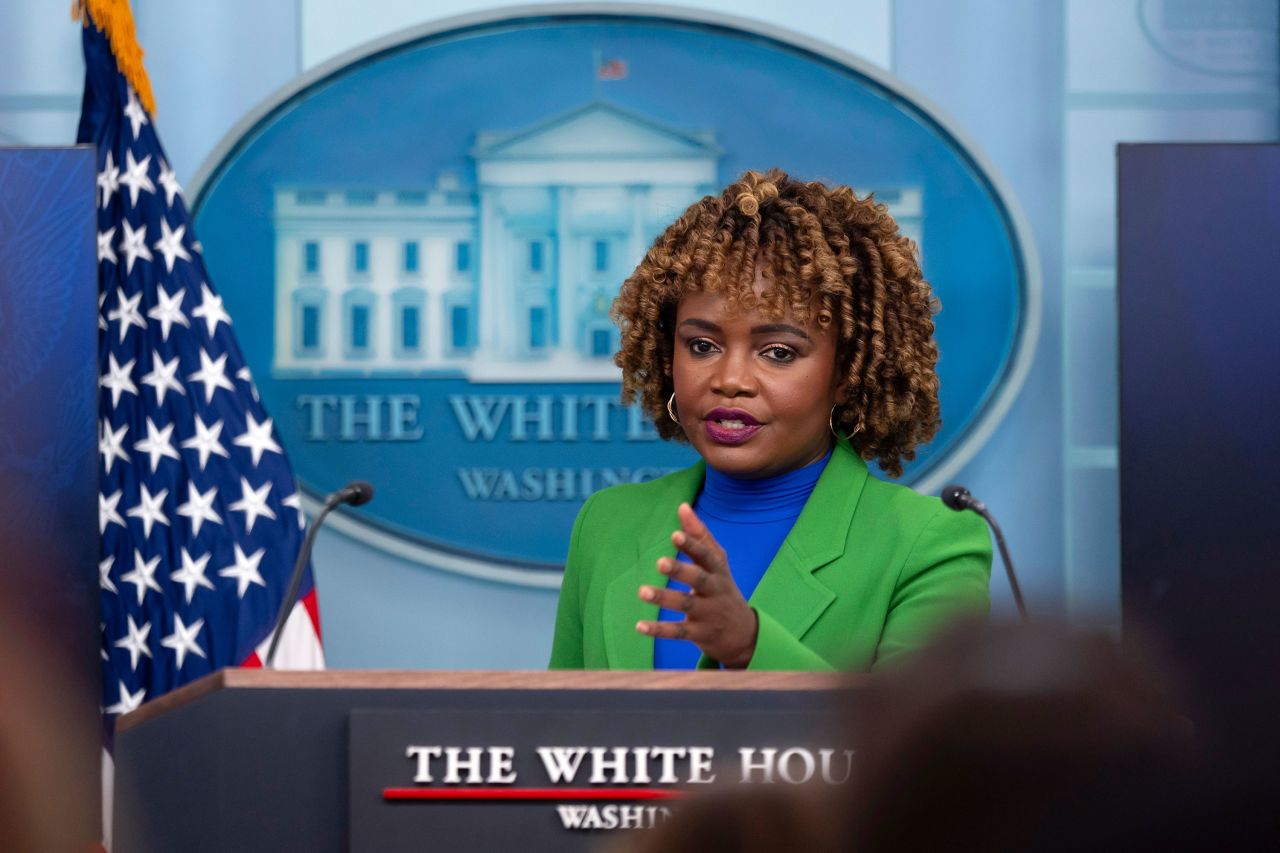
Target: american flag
(611, 69)
(199, 512)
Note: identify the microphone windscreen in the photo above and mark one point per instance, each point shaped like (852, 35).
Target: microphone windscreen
(360, 493)
(954, 496)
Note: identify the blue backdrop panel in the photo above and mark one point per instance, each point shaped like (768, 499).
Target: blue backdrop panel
(48, 398)
(1199, 408)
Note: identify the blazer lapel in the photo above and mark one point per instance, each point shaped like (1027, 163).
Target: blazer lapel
(625, 647)
(789, 592)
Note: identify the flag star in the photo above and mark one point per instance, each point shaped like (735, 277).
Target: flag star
(169, 311)
(108, 182)
(157, 444)
(135, 113)
(105, 251)
(135, 176)
(257, 437)
(211, 310)
(212, 374)
(163, 377)
(244, 375)
(253, 503)
(170, 244)
(127, 701)
(169, 180)
(245, 570)
(199, 507)
(104, 575)
(119, 380)
(143, 575)
(134, 245)
(150, 509)
(102, 300)
(294, 502)
(126, 310)
(136, 643)
(206, 442)
(183, 639)
(111, 443)
(107, 512)
(191, 575)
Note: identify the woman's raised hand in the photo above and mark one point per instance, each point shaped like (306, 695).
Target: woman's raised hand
(716, 617)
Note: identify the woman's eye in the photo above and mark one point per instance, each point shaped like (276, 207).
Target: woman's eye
(700, 346)
(783, 354)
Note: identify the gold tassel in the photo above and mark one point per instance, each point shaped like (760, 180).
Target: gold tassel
(114, 18)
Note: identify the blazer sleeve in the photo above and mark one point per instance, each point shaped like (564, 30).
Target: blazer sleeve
(777, 649)
(566, 645)
(947, 575)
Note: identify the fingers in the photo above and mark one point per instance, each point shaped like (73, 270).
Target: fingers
(669, 599)
(690, 522)
(681, 630)
(691, 575)
(717, 618)
(695, 540)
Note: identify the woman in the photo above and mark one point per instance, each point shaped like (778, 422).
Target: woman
(783, 329)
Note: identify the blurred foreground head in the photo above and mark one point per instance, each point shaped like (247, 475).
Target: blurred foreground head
(49, 736)
(991, 739)
(1002, 739)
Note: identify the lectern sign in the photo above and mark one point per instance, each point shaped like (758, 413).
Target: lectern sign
(420, 244)
(552, 780)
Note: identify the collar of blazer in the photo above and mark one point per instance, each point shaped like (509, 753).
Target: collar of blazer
(788, 592)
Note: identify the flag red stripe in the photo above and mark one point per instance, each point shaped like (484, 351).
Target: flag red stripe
(311, 601)
(485, 793)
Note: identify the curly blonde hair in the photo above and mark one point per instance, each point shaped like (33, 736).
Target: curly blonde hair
(817, 245)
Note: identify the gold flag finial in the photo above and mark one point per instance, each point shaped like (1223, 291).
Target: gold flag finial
(114, 19)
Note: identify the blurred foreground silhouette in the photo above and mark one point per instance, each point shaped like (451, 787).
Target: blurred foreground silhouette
(1000, 739)
(49, 736)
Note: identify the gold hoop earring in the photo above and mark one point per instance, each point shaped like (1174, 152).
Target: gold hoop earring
(671, 412)
(831, 424)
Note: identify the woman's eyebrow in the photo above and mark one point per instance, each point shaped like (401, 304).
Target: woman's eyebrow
(701, 324)
(775, 328)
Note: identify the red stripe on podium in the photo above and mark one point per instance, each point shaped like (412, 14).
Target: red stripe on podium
(483, 793)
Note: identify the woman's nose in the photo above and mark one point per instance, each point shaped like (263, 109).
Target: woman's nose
(734, 376)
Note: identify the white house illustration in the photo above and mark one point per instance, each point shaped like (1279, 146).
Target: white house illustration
(510, 281)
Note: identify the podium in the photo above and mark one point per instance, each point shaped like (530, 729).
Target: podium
(252, 760)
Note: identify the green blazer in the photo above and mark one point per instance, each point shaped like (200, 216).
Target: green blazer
(867, 572)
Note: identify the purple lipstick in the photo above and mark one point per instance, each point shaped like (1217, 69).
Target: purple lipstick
(730, 426)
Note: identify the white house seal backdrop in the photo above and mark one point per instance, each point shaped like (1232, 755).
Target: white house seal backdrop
(420, 242)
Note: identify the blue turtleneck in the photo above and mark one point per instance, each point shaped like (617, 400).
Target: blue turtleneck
(749, 518)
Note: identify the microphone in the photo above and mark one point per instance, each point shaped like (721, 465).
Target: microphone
(357, 493)
(958, 498)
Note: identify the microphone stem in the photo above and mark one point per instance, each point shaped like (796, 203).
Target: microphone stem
(295, 582)
(1008, 564)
